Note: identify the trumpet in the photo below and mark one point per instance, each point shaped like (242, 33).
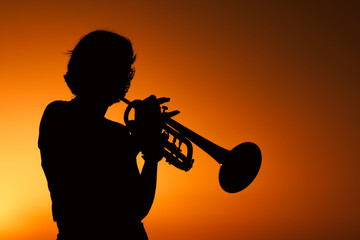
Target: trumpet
(238, 167)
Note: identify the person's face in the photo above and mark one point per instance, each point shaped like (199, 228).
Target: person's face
(113, 85)
(108, 79)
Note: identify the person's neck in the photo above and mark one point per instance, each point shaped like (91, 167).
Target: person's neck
(91, 107)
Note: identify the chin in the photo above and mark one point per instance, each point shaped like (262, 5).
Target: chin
(114, 100)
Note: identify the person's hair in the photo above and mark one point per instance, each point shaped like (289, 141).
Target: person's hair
(97, 58)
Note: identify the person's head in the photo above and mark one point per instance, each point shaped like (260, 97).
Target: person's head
(101, 67)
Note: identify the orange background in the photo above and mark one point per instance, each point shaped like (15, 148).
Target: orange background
(282, 74)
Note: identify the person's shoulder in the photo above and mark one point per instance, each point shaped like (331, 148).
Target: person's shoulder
(50, 121)
(55, 109)
(56, 105)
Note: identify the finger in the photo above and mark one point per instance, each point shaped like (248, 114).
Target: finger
(171, 114)
(150, 98)
(163, 100)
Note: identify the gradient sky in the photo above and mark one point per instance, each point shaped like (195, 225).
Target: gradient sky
(284, 75)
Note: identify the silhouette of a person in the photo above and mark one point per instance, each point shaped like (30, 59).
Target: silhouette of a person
(96, 188)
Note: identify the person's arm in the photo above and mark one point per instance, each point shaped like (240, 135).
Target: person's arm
(52, 144)
(149, 127)
(148, 179)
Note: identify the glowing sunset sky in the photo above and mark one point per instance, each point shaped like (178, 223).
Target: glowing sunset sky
(284, 75)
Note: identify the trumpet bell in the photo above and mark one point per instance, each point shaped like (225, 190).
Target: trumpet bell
(240, 167)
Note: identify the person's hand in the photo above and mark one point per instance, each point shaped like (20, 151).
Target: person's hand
(149, 124)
